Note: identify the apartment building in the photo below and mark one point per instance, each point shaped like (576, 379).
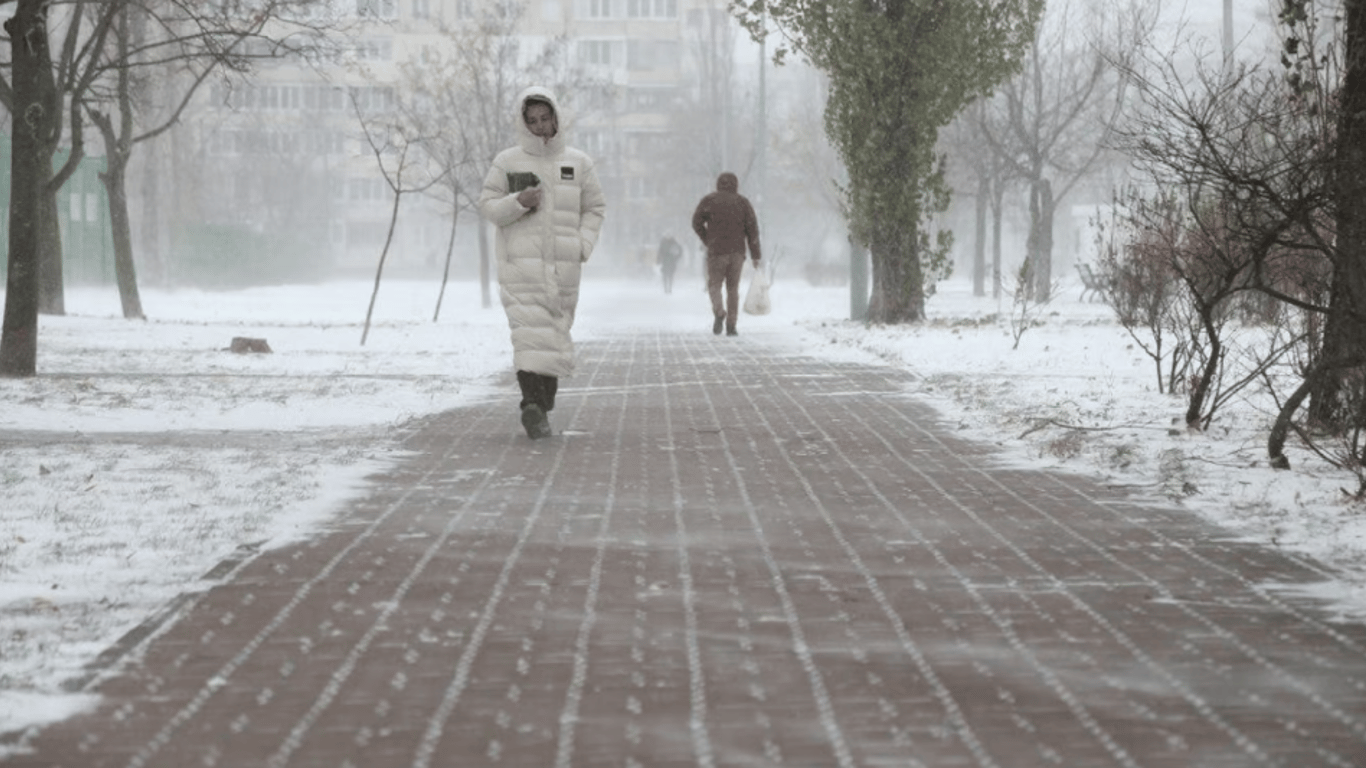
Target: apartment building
(286, 172)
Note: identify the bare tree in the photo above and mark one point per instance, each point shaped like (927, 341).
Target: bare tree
(399, 153)
(463, 92)
(1256, 157)
(35, 102)
(709, 141)
(1135, 247)
(103, 79)
(807, 170)
(1344, 342)
(467, 87)
(1173, 271)
(440, 107)
(36, 98)
(990, 176)
(1050, 125)
(180, 46)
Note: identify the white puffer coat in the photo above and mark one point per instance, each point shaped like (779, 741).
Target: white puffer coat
(540, 252)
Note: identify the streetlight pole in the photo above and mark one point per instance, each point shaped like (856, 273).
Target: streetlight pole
(1228, 31)
(761, 137)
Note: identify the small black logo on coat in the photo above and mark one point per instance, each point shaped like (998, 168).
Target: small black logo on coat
(566, 173)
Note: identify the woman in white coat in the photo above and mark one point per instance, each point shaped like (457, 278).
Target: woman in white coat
(545, 200)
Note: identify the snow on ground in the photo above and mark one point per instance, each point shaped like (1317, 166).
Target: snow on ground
(144, 453)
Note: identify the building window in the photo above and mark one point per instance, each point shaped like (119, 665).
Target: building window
(422, 9)
(375, 49)
(652, 9)
(650, 99)
(488, 9)
(651, 55)
(364, 233)
(377, 9)
(597, 9)
(373, 98)
(596, 52)
(322, 143)
(707, 17)
(601, 98)
(323, 97)
(593, 141)
(367, 190)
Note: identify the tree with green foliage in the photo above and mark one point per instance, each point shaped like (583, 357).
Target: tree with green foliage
(898, 70)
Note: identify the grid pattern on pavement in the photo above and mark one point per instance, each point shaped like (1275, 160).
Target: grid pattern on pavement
(728, 557)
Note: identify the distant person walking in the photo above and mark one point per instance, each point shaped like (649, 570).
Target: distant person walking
(545, 199)
(668, 256)
(726, 223)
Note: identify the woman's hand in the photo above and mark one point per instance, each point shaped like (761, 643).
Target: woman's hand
(530, 197)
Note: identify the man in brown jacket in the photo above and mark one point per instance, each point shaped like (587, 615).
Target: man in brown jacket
(725, 221)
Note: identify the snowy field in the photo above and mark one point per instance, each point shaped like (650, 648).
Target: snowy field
(145, 453)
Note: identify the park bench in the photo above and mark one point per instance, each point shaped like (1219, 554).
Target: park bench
(1091, 283)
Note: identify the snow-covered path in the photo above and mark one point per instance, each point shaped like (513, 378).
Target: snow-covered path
(732, 554)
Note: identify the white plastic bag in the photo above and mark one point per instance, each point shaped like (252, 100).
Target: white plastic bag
(757, 301)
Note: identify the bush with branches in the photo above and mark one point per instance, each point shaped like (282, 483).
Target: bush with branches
(1252, 162)
(1139, 285)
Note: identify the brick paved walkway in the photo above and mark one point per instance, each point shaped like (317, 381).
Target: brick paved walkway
(731, 558)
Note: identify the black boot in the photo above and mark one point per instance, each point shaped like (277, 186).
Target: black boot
(717, 324)
(534, 421)
(538, 396)
(549, 386)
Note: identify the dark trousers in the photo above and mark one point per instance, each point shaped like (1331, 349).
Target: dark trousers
(724, 270)
(538, 388)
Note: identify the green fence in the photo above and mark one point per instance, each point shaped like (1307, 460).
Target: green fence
(83, 213)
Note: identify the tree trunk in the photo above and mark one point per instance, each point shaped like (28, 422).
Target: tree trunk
(1204, 383)
(450, 252)
(997, 213)
(1280, 429)
(51, 296)
(379, 268)
(19, 339)
(1039, 248)
(858, 282)
(484, 290)
(1344, 335)
(125, 270)
(151, 230)
(898, 284)
(115, 178)
(979, 246)
(36, 105)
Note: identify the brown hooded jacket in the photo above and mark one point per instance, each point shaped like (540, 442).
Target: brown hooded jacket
(725, 220)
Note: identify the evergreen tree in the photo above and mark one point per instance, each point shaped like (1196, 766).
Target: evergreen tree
(898, 70)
